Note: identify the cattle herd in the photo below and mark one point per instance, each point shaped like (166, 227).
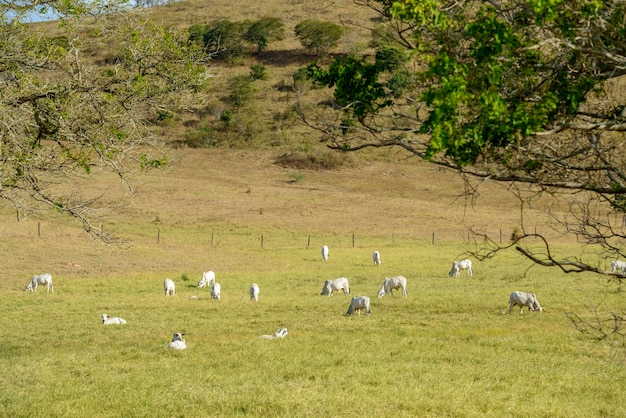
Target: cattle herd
(357, 303)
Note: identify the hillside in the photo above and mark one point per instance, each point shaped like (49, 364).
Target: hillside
(231, 181)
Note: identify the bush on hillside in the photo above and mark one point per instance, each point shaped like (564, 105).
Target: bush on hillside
(317, 36)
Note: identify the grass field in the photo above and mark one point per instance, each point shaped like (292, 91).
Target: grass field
(446, 350)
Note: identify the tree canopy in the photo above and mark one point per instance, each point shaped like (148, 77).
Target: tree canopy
(64, 119)
(521, 91)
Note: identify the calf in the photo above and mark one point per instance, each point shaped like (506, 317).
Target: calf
(177, 343)
(281, 333)
(36, 280)
(106, 320)
(522, 299)
(358, 304)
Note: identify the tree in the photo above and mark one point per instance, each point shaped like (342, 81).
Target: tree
(221, 38)
(517, 91)
(265, 30)
(318, 37)
(65, 121)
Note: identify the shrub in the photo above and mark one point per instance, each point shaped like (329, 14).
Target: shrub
(267, 29)
(241, 90)
(318, 37)
(258, 72)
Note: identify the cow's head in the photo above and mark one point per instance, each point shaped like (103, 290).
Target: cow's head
(29, 287)
(382, 291)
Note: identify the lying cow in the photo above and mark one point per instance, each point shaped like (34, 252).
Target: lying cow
(522, 299)
(358, 304)
(457, 266)
(389, 284)
(42, 279)
(331, 286)
(281, 333)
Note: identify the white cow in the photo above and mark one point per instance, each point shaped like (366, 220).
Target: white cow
(618, 265)
(389, 284)
(331, 286)
(457, 266)
(358, 304)
(325, 253)
(36, 280)
(254, 292)
(216, 291)
(177, 343)
(522, 299)
(169, 287)
(281, 333)
(208, 278)
(106, 320)
(376, 258)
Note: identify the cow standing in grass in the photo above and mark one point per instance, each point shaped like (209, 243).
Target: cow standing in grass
(358, 304)
(457, 266)
(169, 287)
(36, 280)
(522, 299)
(336, 285)
(325, 253)
(390, 284)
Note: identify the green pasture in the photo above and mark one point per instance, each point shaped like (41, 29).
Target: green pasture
(445, 351)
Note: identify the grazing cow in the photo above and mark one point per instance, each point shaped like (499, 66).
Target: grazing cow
(281, 333)
(376, 258)
(358, 304)
(331, 286)
(522, 299)
(254, 292)
(177, 342)
(35, 281)
(618, 265)
(457, 266)
(208, 278)
(216, 291)
(106, 320)
(325, 253)
(169, 287)
(389, 284)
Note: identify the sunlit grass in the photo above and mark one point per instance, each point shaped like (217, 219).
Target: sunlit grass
(446, 350)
